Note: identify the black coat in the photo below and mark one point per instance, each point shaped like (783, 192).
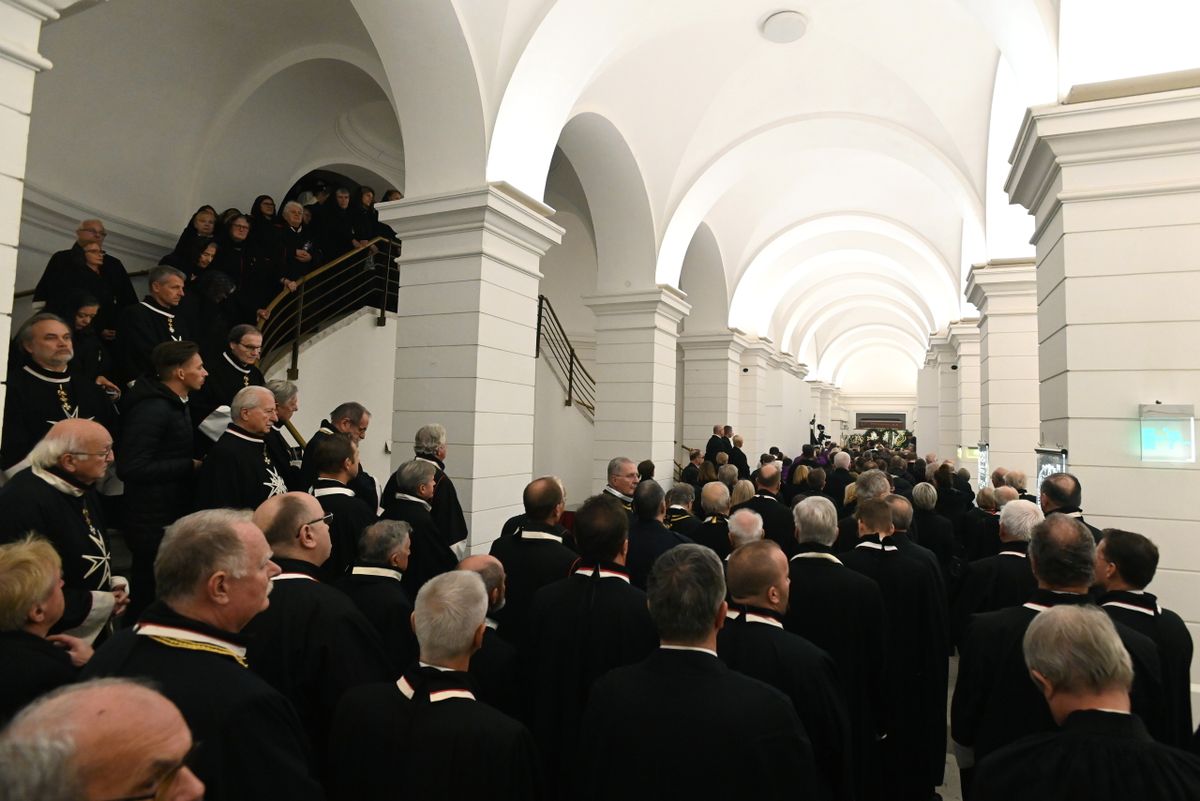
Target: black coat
(494, 673)
(286, 458)
(31, 666)
(648, 540)
(444, 507)
(67, 273)
(426, 737)
(713, 532)
(1095, 755)
(362, 484)
(715, 445)
(681, 521)
(680, 724)
(237, 473)
(737, 458)
(350, 517)
(254, 746)
(378, 594)
(690, 475)
(835, 487)
(756, 644)
(142, 326)
(429, 556)
(778, 524)
(533, 557)
(993, 583)
(980, 534)
(226, 377)
(154, 457)
(33, 404)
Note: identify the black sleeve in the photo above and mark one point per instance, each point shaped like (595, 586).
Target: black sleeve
(267, 755)
(137, 457)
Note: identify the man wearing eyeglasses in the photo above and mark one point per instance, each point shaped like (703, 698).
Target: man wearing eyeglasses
(312, 643)
(68, 271)
(56, 497)
(229, 373)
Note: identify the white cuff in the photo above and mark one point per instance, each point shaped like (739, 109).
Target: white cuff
(103, 604)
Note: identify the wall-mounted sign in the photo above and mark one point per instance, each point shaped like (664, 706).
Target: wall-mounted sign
(1049, 462)
(983, 465)
(1168, 433)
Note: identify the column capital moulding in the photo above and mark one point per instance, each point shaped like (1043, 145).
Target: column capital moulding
(731, 339)
(1001, 278)
(964, 336)
(665, 300)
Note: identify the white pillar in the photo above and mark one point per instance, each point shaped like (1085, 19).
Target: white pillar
(752, 411)
(711, 383)
(822, 396)
(948, 420)
(797, 406)
(1114, 187)
(964, 337)
(926, 427)
(771, 433)
(1005, 292)
(20, 63)
(465, 345)
(636, 335)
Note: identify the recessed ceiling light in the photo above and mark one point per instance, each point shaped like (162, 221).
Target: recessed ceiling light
(783, 27)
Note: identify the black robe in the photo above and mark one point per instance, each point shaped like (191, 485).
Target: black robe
(715, 445)
(362, 484)
(980, 534)
(429, 555)
(995, 582)
(377, 592)
(681, 521)
(579, 628)
(444, 507)
(756, 644)
(494, 672)
(713, 532)
(625, 500)
(690, 475)
(648, 540)
(842, 612)
(350, 517)
(996, 703)
(237, 473)
(144, 325)
(36, 399)
(312, 644)
(31, 666)
(253, 744)
(226, 377)
(426, 737)
(918, 636)
(680, 724)
(737, 458)
(533, 557)
(1095, 756)
(1140, 611)
(69, 516)
(286, 458)
(67, 273)
(778, 524)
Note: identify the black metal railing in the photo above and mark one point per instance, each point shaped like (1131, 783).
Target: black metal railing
(364, 277)
(553, 342)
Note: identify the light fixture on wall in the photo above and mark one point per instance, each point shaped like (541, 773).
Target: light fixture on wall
(1168, 432)
(783, 27)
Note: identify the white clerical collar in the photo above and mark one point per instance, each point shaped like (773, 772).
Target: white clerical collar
(42, 375)
(321, 492)
(754, 617)
(290, 576)
(430, 461)
(491, 623)
(63, 486)
(538, 535)
(616, 494)
(878, 546)
(1133, 607)
(402, 496)
(187, 635)
(157, 310)
(688, 648)
(440, 695)
(818, 555)
(386, 572)
(234, 364)
(248, 437)
(602, 573)
(680, 508)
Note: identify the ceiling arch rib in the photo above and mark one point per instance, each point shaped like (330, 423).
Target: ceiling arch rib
(838, 377)
(837, 351)
(799, 303)
(803, 339)
(833, 129)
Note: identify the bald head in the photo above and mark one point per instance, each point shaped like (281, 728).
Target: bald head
(1005, 494)
(758, 575)
(543, 499)
(714, 498)
(768, 477)
(80, 448)
(294, 526)
(114, 753)
(491, 571)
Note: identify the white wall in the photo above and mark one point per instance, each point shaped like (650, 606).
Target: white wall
(562, 437)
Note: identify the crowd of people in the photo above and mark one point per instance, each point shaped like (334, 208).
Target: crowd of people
(290, 628)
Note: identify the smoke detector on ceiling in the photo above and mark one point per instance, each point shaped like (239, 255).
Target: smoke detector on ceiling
(783, 27)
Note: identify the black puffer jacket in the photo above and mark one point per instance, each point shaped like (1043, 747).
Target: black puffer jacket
(155, 455)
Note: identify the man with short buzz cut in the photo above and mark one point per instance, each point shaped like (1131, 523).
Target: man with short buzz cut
(841, 611)
(649, 536)
(1062, 494)
(150, 322)
(1101, 750)
(429, 445)
(534, 555)
(414, 487)
(56, 497)
(579, 628)
(494, 665)
(754, 642)
(336, 460)
(713, 530)
(214, 573)
(913, 754)
(681, 723)
(994, 702)
(312, 643)
(1125, 564)
(238, 472)
(691, 472)
(869, 484)
(42, 389)
(1016, 480)
(622, 481)
(745, 527)
(154, 457)
(680, 519)
(352, 419)
(233, 370)
(413, 737)
(105, 752)
(374, 585)
(67, 272)
(777, 518)
(1003, 580)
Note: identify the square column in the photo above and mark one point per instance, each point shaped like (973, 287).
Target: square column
(771, 431)
(636, 336)
(465, 342)
(753, 419)
(1005, 292)
(964, 337)
(1114, 187)
(711, 383)
(797, 406)
(823, 399)
(926, 427)
(948, 421)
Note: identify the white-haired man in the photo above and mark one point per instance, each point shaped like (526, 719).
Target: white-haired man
(238, 472)
(745, 526)
(412, 737)
(776, 517)
(837, 481)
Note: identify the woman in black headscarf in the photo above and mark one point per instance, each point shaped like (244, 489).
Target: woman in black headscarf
(336, 224)
(200, 228)
(79, 308)
(364, 219)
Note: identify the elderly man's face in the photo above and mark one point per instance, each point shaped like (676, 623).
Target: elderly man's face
(89, 464)
(293, 216)
(625, 481)
(259, 419)
(248, 592)
(357, 431)
(51, 346)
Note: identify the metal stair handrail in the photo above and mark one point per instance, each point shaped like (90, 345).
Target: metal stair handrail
(552, 340)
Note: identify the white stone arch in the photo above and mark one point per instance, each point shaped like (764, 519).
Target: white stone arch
(617, 199)
(838, 377)
(839, 348)
(814, 297)
(703, 279)
(828, 129)
(806, 332)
